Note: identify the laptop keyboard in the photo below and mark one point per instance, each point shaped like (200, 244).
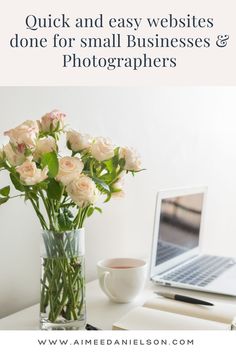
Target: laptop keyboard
(166, 251)
(200, 271)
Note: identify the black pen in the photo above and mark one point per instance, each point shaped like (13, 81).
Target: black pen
(183, 298)
(89, 327)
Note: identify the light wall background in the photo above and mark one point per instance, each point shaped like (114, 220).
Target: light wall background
(186, 137)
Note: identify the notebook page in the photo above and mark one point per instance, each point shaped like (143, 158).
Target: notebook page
(143, 318)
(224, 313)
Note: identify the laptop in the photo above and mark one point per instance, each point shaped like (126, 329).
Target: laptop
(176, 258)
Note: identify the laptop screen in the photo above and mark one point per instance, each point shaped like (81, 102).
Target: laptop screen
(179, 227)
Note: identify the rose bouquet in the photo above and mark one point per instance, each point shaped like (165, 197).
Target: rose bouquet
(63, 191)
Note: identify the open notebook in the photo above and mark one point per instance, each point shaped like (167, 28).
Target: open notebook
(165, 314)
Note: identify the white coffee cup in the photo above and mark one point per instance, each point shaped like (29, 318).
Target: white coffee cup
(122, 279)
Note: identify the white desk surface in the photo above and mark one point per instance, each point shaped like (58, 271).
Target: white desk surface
(101, 312)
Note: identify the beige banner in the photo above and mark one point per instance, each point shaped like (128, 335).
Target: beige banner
(133, 51)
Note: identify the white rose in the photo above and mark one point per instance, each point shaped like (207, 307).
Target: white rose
(30, 174)
(102, 149)
(43, 146)
(14, 157)
(69, 169)
(52, 121)
(118, 187)
(132, 159)
(78, 141)
(24, 135)
(83, 191)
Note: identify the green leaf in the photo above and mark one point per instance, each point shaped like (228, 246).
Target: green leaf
(109, 165)
(27, 152)
(98, 209)
(115, 190)
(42, 185)
(101, 185)
(64, 221)
(108, 198)
(58, 126)
(3, 200)
(109, 177)
(54, 190)
(5, 191)
(122, 163)
(16, 182)
(116, 151)
(115, 160)
(68, 145)
(90, 211)
(33, 195)
(50, 159)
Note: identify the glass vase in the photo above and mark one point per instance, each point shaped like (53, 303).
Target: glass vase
(62, 297)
